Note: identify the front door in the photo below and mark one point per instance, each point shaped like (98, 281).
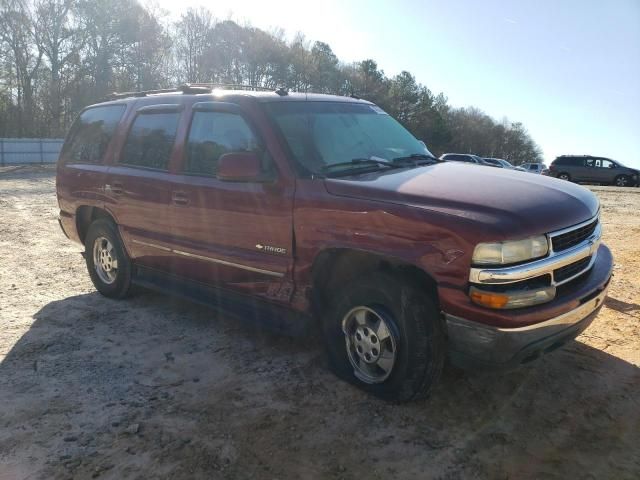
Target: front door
(235, 235)
(604, 171)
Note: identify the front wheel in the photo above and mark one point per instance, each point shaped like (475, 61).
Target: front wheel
(564, 176)
(107, 262)
(622, 181)
(384, 334)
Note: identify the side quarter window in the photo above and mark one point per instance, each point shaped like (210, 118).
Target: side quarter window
(212, 134)
(150, 140)
(91, 134)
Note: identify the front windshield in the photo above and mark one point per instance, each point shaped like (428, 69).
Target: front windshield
(321, 134)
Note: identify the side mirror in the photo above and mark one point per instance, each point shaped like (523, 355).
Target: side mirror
(240, 167)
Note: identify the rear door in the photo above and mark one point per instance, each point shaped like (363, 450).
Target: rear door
(235, 235)
(574, 167)
(138, 185)
(81, 166)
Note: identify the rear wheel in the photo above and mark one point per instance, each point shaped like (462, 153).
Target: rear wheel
(384, 334)
(107, 262)
(564, 176)
(622, 181)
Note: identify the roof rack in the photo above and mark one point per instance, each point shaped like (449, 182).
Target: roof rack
(196, 88)
(230, 86)
(143, 93)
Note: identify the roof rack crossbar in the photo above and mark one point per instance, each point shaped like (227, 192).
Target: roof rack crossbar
(231, 86)
(142, 93)
(195, 88)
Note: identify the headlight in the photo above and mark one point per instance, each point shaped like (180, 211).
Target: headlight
(504, 253)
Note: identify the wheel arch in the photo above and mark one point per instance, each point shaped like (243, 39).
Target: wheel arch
(86, 215)
(335, 267)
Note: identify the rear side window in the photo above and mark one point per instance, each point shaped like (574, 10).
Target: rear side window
(91, 134)
(457, 158)
(213, 134)
(571, 161)
(150, 140)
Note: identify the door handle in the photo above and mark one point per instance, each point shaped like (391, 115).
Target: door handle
(180, 198)
(115, 187)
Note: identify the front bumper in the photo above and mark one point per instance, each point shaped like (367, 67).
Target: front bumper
(472, 344)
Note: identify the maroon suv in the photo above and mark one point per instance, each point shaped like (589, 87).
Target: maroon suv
(296, 208)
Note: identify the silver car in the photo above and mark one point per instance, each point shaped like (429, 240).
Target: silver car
(500, 162)
(534, 167)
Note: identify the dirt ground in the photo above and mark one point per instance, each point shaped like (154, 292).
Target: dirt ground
(155, 387)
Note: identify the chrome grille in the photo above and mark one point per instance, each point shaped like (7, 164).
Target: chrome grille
(572, 238)
(568, 271)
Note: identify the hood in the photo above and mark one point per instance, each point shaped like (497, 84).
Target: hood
(513, 203)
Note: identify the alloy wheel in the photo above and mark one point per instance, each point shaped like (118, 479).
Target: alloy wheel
(621, 181)
(370, 344)
(105, 260)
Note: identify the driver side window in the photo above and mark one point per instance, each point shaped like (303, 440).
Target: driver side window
(212, 134)
(606, 164)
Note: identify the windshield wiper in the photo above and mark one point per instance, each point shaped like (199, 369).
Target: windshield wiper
(417, 159)
(358, 163)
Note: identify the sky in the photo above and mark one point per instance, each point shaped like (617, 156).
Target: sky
(568, 70)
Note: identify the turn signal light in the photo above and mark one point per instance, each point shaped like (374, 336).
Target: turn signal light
(512, 299)
(489, 299)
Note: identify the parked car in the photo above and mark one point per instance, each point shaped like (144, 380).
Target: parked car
(586, 168)
(295, 210)
(494, 162)
(534, 167)
(499, 162)
(466, 158)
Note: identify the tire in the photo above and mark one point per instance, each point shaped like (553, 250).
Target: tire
(564, 176)
(415, 337)
(622, 181)
(108, 264)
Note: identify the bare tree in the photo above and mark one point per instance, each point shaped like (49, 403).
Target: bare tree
(57, 56)
(59, 39)
(17, 33)
(193, 42)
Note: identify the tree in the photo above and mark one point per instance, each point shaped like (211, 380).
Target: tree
(18, 34)
(193, 43)
(324, 69)
(57, 56)
(59, 40)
